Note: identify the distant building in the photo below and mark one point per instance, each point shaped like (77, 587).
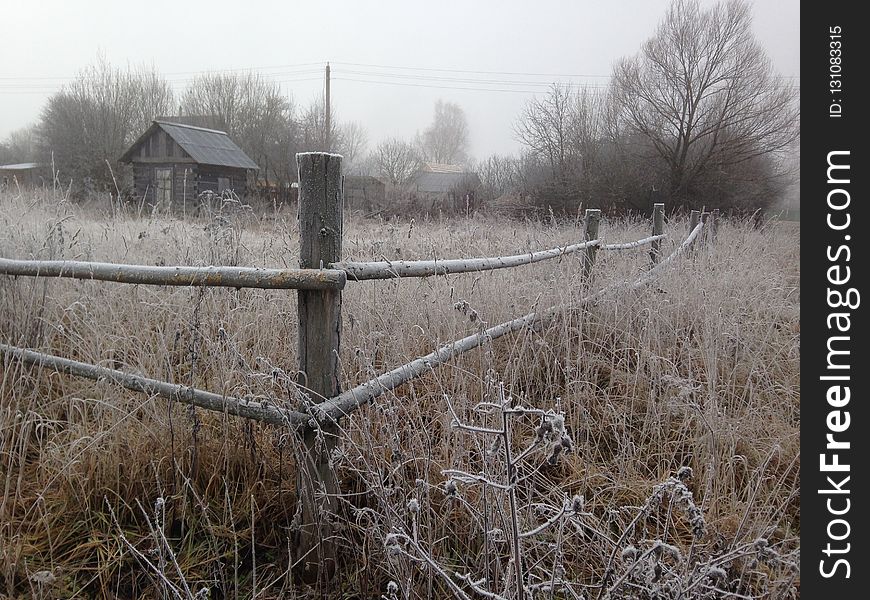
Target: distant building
(364, 192)
(173, 163)
(25, 174)
(449, 187)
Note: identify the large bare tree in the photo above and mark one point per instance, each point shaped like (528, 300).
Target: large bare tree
(395, 160)
(544, 127)
(347, 138)
(91, 121)
(254, 112)
(704, 94)
(499, 175)
(446, 138)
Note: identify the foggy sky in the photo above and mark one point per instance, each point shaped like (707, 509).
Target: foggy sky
(385, 56)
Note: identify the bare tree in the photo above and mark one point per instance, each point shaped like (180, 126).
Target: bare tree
(563, 133)
(20, 146)
(351, 144)
(152, 96)
(499, 175)
(703, 92)
(446, 139)
(395, 160)
(544, 127)
(93, 119)
(255, 113)
(313, 124)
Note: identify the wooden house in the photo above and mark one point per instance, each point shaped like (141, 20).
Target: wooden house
(21, 174)
(364, 192)
(448, 187)
(173, 163)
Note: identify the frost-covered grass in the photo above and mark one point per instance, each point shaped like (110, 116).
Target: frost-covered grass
(700, 370)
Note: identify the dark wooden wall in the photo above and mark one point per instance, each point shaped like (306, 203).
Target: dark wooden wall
(189, 179)
(183, 181)
(208, 178)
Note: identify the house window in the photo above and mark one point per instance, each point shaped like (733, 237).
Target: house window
(169, 144)
(223, 184)
(163, 187)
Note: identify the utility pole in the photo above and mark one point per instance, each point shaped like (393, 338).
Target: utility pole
(328, 129)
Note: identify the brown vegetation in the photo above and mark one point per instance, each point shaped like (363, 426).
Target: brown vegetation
(699, 370)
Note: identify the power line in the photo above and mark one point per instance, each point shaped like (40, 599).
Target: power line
(455, 79)
(466, 71)
(445, 87)
(169, 73)
(527, 74)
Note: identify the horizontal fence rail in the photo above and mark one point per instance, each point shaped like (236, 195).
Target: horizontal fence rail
(260, 411)
(348, 401)
(385, 269)
(238, 277)
(634, 244)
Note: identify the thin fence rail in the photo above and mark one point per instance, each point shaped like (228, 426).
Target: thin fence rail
(360, 271)
(634, 244)
(343, 404)
(237, 277)
(348, 401)
(386, 269)
(250, 409)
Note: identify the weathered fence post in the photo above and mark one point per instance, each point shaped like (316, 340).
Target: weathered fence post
(714, 226)
(592, 220)
(705, 232)
(320, 232)
(658, 228)
(694, 218)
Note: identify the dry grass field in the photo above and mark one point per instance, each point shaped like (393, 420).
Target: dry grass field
(111, 494)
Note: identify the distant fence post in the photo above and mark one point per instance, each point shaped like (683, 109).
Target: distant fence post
(714, 226)
(592, 220)
(658, 228)
(705, 232)
(319, 311)
(694, 219)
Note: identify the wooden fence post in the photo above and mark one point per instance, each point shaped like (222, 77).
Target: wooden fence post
(592, 220)
(714, 228)
(694, 218)
(705, 232)
(319, 311)
(658, 228)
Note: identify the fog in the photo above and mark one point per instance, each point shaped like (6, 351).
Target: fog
(390, 60)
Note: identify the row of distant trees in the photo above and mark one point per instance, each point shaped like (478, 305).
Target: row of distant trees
(87, 125)
(698, 117)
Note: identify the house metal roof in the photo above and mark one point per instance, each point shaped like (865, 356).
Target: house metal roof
(431, 167)
(445, 182)
(205, 146)
(20, 166)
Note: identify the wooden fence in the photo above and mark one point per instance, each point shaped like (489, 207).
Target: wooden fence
(319, 281)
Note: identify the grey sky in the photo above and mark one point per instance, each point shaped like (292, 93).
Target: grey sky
(45, 43)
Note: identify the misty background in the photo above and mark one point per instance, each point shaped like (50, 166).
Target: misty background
(394, 66)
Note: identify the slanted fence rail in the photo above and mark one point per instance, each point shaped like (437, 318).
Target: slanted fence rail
(319, 313)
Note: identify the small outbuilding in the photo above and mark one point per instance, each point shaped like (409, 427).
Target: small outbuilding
(22, 174)
(173, 163)
(364, 192)
(449, 187)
